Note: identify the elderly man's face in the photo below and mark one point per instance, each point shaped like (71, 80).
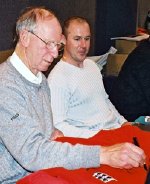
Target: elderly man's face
(39, 56)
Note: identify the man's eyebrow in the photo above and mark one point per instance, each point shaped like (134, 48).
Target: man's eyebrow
(77, 36)
(88, 36)
(82, 36)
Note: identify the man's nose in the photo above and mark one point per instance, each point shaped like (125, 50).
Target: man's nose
(54, 52)
(83, 42)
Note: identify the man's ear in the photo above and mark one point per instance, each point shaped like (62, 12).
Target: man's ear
(24, 38)
(63, 39)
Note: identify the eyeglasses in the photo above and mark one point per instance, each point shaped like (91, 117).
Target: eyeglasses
(50, 44)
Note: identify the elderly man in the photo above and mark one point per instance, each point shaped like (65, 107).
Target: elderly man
(26, 129)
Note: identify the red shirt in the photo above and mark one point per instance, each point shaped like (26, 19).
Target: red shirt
(103, 173)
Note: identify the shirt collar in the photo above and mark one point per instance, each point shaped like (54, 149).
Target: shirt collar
(24, 70)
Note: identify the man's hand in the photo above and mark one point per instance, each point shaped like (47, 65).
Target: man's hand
(56, 133)
(124, 155)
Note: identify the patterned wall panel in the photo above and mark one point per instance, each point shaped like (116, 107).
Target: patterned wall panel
(143, 7)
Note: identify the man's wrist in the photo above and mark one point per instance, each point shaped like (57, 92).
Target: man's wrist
(103, 159)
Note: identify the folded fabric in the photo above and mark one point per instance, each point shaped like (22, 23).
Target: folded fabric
(42, 177)
(59, 176)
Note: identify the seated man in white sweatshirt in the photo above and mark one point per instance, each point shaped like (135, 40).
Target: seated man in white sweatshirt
(80, 105)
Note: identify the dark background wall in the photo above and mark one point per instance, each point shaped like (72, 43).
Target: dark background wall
(10, 10)
(114, 18)
(108, 18)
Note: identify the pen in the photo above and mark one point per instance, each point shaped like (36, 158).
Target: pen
(135, 141)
